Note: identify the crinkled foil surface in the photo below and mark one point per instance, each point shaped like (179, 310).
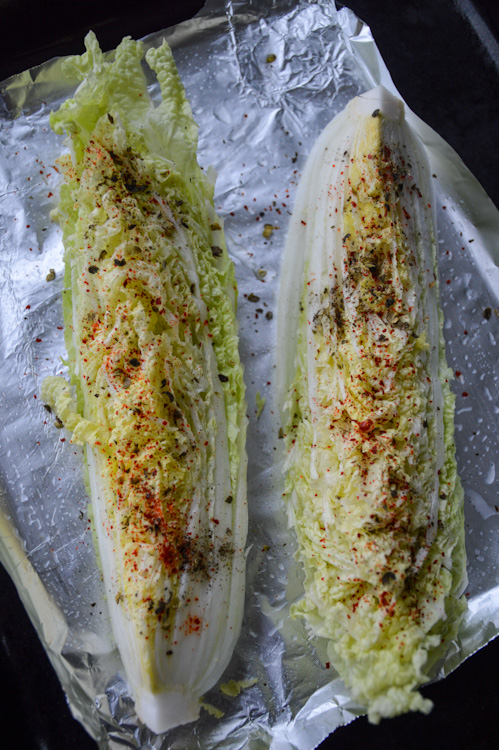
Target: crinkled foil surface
(263, 79)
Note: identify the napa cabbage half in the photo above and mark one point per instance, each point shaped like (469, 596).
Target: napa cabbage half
(372, 486)
(157, 392)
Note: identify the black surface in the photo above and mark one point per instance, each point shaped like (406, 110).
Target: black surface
(446, 66)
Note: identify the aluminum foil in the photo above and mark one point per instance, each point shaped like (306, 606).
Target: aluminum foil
(263, 79)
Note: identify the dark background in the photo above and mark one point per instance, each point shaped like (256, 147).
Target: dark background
(444, 59)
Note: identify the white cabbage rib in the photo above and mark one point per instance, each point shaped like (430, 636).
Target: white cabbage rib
(151, 334)
(371, 478)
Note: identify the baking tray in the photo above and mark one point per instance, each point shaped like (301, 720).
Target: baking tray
(444, 59)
